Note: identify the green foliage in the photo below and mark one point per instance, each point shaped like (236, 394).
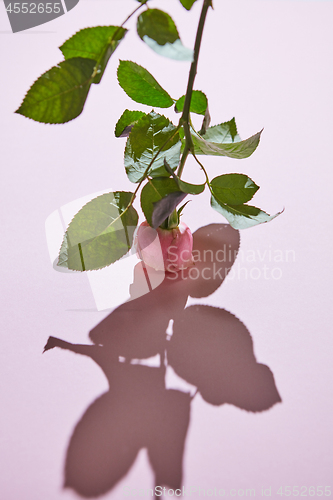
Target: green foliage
(59, 95)
(238, 150)
(185, 187)
(241, 216)
(157, 190)
(233, 189)
(126, 122)
(97, 43)
(157, 29)
(229, 193)
(198, 104)
(187, 3)
(157, 25)
(223, 133)
(100, 233)
(153, 139)
(141, 86)
(156, 150)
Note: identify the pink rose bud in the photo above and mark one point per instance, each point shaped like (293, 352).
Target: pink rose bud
(165, 249)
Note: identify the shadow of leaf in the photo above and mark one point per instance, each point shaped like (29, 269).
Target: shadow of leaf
(138, 413)
(213, 350)
(210, 348)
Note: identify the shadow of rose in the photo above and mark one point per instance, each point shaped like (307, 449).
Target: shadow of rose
(209, 348)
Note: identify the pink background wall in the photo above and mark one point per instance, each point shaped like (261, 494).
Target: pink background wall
(269, 64)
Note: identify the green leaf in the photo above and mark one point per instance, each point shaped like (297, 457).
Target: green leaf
(58, 96)
(158, 25)
(150, 134)
(157, 29)
(126, 122)
(185, 187)
(224, 133)
(187, 3)
(97, 43)
(198, 104)
(154, 191)
(242, 216)
(141, 86)
(238, 150)
(100, 233)
(233, 189)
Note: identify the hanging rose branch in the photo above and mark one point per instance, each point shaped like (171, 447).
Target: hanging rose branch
(156, 150)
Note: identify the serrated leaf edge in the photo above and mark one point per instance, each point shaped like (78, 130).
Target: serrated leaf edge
(117, 218)
(74, 88)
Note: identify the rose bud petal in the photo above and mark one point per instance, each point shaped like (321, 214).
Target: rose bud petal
(165, 249)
